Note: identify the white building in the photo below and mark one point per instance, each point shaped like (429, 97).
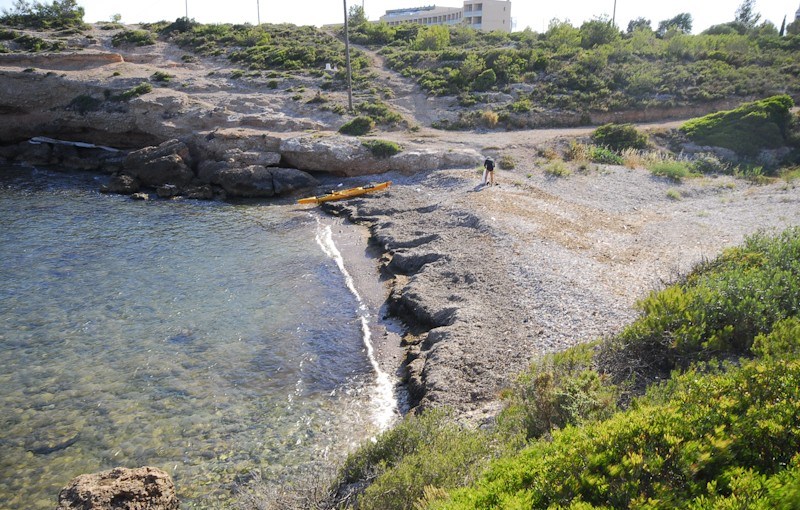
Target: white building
(486, 15)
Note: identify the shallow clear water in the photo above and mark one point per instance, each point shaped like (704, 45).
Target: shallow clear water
(212, 340)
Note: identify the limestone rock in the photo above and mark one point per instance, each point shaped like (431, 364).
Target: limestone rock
(165, 164)
(347, 156)
(121, 184)
(168, 191)
(254, 180)
(144, 488)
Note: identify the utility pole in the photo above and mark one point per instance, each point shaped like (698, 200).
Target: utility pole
(347, 59)
(258, 12)
(187, 9)
(614, 15)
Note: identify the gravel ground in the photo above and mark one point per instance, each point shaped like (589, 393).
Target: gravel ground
(489, 278)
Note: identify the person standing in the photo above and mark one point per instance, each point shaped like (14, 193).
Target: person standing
(488, 171)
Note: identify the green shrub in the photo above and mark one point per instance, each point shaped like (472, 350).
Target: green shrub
(180, 25)
(605, 156)
(673, 194)
(782, 342)
(380, 112)
(421, 451)
(560, 389)
(317, 99)
(619, 137)
(557, 168)
(485, 80)
(521, 106)
(133, 37)
(747, 129)
(138, 90)
(358, 126)
(706, 163)
(507, 162)
(37, 44)
(718, 311)
(674, 170)
(59, 14)
(161, 76)
(382, 148)
(706, 438)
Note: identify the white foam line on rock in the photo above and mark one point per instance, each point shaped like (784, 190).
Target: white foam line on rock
(385, 403)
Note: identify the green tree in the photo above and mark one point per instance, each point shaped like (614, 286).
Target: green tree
(356, 16)
(432, 38)
(746, 15)
(57, 15)
(682, 23)
(561, 34)
(597, 32)
(639, 24)
(472, 66)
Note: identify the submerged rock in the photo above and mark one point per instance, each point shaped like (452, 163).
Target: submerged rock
(121, 184)
(144, 488)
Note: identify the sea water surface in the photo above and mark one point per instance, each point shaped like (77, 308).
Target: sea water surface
(216, 341)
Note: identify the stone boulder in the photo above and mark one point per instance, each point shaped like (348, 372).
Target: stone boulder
(166, 164)
(254, 180)
(121, 184)
(347, 156)
(144, 488)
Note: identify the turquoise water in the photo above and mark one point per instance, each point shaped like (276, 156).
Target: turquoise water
(213, 340)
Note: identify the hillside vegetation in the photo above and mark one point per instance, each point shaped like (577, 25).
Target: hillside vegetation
(594, 67)
(694, 405)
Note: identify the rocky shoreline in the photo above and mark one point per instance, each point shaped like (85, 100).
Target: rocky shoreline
(488, 279)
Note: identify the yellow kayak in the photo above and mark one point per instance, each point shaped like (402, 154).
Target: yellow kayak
(345, 193)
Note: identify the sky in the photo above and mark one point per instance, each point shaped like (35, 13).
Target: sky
(524, 13)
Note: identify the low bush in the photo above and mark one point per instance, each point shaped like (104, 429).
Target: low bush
(37, 44)
(604, 155)
(358, 126)
(382, 148)
(709, 439)
(746, 130)
(380, 112)
(506, 162)
(619, 137)
(138, 90)
(674, 170)
(489, 118)
(430, 450)
(133, 37)
(706, 163)
(560, 389)
(161, 76)
(557, 168)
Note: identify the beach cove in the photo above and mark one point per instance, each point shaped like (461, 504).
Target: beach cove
(215, 341)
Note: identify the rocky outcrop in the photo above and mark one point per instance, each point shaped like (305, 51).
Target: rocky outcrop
(145, 488)
(254, 180)
(168, 163)
(348, 156)
(66, 61)
(37, 153)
